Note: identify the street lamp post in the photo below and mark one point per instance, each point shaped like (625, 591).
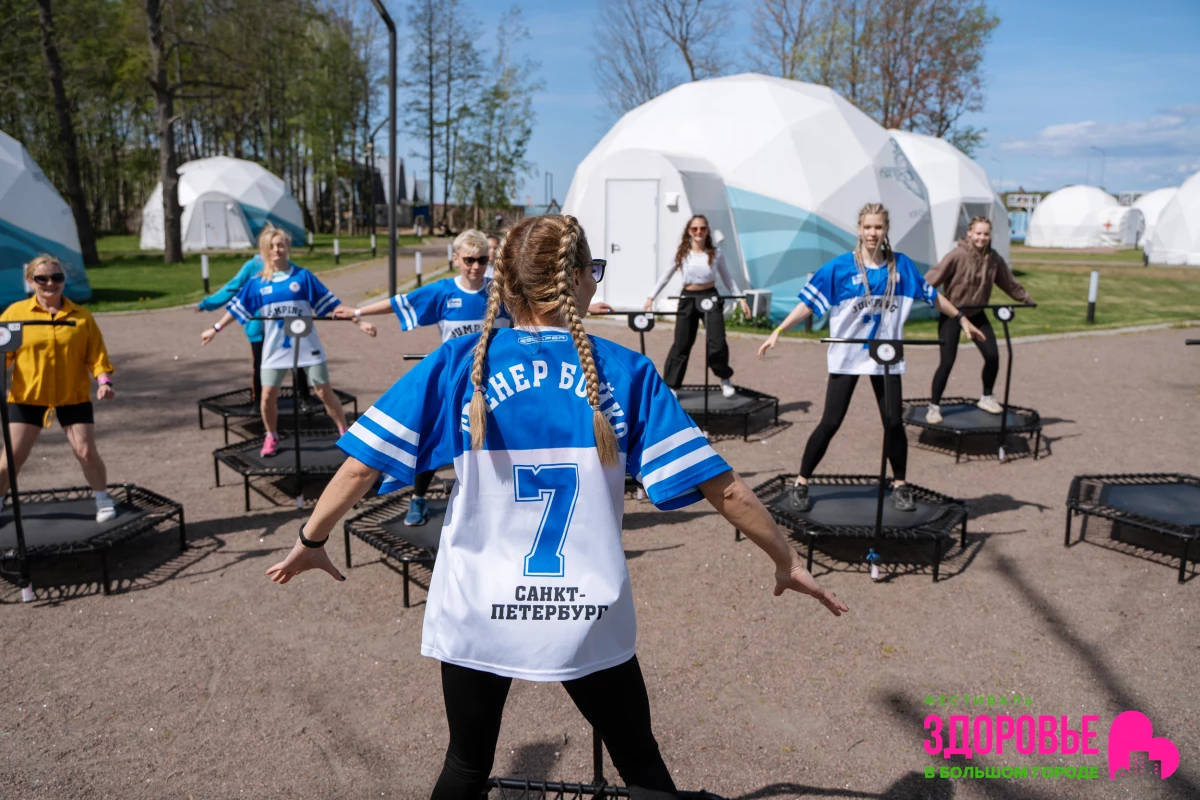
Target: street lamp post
(1103, 155)
(999, 183)
(392, 243)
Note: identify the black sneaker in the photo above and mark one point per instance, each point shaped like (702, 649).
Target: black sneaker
(902, 496)
(796, 498)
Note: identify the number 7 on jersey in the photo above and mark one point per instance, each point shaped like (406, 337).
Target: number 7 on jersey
(556, 485)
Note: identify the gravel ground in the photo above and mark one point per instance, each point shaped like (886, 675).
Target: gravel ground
(204, 680)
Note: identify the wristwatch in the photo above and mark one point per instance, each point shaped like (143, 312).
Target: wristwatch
(358, 315)
(217, 327)
(961, 314)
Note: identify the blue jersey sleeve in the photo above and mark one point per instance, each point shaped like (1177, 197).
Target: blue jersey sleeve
(231, 289)
(320, 298)
(817, 294)
(912, 282)
(420, 307)
(247, 303)
(410, 428)
(667, 453)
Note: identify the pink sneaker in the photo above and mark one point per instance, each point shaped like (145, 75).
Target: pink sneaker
(269, 445)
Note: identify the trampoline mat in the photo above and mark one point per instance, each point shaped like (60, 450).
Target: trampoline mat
(692, 401)
(49, 524)
(855, 506)
(967, 417)
(317, 451)
(1177, 503)
(426, 536)
(308, 407)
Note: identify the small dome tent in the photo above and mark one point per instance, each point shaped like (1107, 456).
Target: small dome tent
(1151, 205)
(34, 219)
(959, 190)
(251, 197)
(780, 168)
(1070, 217)
(1176, 238)
(1120, 226)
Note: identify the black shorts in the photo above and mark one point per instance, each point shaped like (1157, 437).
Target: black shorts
(66, 415)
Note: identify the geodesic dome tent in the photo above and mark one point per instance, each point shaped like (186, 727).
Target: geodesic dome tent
(1176, 238)
(1151, 205)
(1070, 217)
(34, 219)
(1120, 226)
(238, 199)
(780, 168)
(958, 188)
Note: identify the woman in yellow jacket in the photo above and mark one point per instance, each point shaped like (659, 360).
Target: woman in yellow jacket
(52, 375)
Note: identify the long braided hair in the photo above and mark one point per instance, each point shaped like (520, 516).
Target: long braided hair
(534, 277)
(889, 293)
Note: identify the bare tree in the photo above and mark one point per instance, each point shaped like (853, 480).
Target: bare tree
(168, 160)
(695, 28)
(631, 57)
(781, 37)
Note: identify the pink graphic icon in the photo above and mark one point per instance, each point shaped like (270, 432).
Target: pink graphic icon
(1132, 734)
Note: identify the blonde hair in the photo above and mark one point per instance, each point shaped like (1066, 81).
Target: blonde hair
(470, 239)
(533, 277)
(264, 247)
(976, 220)
(44, 258)
(889, 293)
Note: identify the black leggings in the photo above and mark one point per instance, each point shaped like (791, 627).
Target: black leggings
(949, 331)
(613, 700)
(421, 482)
(838, 392)
(256, 382)
(686, 323)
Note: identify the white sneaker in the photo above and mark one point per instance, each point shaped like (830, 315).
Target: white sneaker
(105, 513)
(989, 404)
(933, 414)
(727, 388)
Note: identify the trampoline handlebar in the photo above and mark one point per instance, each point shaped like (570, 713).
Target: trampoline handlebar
(414, 356)
(1192, 341)
(62, 323)
(314, 319)
(1000, 305)
(631, 312)
(718, 297)
(837, 340)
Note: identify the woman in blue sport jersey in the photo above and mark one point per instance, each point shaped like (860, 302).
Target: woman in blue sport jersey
(456, 306)
(253, 329)
(541, 422)
(867, 294)
(285, 290)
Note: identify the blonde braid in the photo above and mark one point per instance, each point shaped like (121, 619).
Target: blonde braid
(478, 408)
(606, 438)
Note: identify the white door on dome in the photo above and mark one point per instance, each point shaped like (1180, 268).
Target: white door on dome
(216, 237)
(630, 242)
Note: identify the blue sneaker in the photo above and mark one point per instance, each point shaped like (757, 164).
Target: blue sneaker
(418, 512)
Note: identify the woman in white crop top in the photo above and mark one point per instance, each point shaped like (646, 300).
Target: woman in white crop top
(701, 263)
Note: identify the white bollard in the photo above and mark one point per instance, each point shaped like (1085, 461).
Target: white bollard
(449, 256)
(418, 254)
(337, 252)
(1093, 291)
(373, 245)
(204, 270)
(309, 240)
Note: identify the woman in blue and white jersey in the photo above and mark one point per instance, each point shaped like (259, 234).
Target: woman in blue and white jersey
(285, 290)
(541, 422)
(867, 294)
(457, 307)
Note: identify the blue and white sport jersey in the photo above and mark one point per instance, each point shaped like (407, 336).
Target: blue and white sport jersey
(295, 293)
(836, 289)
(530, 579)
(455, 310)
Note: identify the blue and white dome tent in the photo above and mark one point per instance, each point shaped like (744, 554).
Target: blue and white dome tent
(34, 219)
(226, 204)
(779, 167)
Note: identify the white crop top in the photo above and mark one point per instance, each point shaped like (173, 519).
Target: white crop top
(696, 269)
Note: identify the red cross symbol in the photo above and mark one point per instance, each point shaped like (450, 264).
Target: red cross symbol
(1108, 225)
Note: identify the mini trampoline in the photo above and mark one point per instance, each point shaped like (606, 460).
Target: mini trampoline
(382, 526)
(845, 506)
(720, 410)
(240, 404)
(62, 522)
(963, 420)
(318, 456)
(1165, 506)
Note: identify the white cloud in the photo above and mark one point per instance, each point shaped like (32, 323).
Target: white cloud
(1173, 132)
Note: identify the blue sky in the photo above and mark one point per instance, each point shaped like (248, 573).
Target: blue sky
(1063, 77)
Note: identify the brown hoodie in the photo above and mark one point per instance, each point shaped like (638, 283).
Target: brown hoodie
(968, 276)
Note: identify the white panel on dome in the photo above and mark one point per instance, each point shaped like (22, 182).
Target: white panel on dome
(1151, 205)
(1176, 237)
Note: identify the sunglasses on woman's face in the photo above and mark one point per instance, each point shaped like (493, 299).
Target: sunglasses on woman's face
(701, 229)
(473, 260)
(598, 265)
(43, 280)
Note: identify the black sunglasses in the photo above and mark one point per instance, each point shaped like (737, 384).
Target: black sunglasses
(56, 277)
(472, 260)
(598, 265)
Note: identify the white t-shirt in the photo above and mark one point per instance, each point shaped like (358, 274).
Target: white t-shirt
(696, 269)
(530, 579)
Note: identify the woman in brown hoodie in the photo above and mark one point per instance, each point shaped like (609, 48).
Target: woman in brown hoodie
(966, 277)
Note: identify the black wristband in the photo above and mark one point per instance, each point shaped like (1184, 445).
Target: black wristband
(961, 314)
(309, 542)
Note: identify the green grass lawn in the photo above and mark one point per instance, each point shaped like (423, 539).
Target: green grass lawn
(1021, 253)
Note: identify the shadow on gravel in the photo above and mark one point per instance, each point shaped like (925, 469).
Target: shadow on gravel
(997, 504)
(913, 786)
(803, 406)
(638, 520)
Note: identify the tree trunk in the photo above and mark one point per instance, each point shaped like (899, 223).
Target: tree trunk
(66, 137)
(168, 165)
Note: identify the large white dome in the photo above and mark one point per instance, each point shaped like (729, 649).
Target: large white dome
(1176, 237)
(1070, 217)
(34, 219)
(1151, 205)
(780, 167)
(261, 197)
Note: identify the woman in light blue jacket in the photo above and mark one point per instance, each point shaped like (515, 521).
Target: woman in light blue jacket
(254, 328)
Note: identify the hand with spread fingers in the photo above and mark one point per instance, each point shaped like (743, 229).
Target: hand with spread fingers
(799, 579)
(302, 559)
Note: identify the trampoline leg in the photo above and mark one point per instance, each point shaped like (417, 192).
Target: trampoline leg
(246, 491)
(346, 532)
(1067, 537)
(776, 413)
(1037, 445)
(104, 573)
(962, 542)
(737, 535)
(405, 565)
(937, 557)
(182, 532)
(746, 428)
(958, 447)
(217, 471)
(225, 424)
(811, 540)
(1183, 559)
(200, 414)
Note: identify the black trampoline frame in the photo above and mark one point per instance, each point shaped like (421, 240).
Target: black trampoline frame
(761, 402)
(1033, 426)
(810, 532)
(222, 405)
(1083, 500)
(160, 509)
(233, 457)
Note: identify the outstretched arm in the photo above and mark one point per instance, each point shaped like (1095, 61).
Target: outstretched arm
(662, 282)
(208, 335)
(734, 500)
(343, 311)
(800, 313)
(950, 310)
(383, 306)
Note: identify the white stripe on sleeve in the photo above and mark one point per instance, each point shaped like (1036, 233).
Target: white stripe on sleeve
(668, 444)
(679, 465)
(368, 437)
(391, 426)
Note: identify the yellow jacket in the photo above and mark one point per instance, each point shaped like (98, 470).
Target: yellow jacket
(55, 363)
